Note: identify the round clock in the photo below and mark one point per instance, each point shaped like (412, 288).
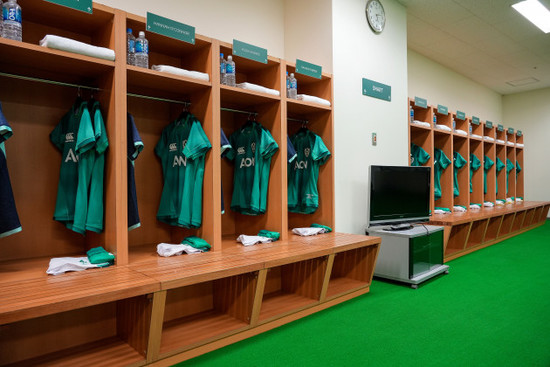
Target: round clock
(375, 15)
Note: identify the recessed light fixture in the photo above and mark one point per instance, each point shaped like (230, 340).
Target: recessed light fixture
(535, 12)
(522, 82)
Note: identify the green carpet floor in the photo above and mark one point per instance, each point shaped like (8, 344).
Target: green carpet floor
(492, 309)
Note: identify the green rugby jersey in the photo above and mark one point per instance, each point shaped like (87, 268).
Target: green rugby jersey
(74, 137)
(252, 147)
(499, 166)
(459, 162)
(509, 167)
(182, 149)
(475, 163)
(419, 156)
(440, 164)
(303, 172)
(487, 164)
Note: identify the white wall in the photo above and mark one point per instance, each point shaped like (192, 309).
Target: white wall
(260, 23)
(530, 113)
(439, 85)
(359, 53)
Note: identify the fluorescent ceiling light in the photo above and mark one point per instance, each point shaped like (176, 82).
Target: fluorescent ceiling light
(535, 12)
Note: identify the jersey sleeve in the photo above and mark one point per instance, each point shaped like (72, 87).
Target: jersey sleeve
(102, 142)
(5, 129)
(85, 138)
(319, 152)
(518, 167)
(231, 153)
(268, 145)
(197, 142)
(135, 144)
(475, 162)
(459, 160)
(488, 163)
(509, 165)
(224, 143)
(499, 165)
(290, 150)
(443, 160)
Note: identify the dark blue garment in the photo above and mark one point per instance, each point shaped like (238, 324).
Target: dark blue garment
(133, 147)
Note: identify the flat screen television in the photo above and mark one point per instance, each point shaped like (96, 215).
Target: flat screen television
(398, 195)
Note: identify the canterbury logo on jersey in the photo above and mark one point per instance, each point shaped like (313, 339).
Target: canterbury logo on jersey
(173, 147)
(179, 160)
(300, 165)
(69, 137)
(240, 150)
(71, 157)
(247, 162)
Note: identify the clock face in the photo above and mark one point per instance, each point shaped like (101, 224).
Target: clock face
(375, 15)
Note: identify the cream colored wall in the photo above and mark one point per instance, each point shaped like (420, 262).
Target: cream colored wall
(359, 53)
(439, 85)
(530, 113)
(260, 23)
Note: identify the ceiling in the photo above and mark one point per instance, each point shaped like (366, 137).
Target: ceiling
(484, 40)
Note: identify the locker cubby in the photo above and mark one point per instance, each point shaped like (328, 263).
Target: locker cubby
(519, 174)
(321, 88)
(476, 178)
(489, 131)
(292, 287)
(444, 142)
(463, 125)
(442, 119)
(510, 138)
(518, 138)
(493, 228)
(489, 151)
(457, 239)
(528, 220)
(518, 220)
(265, 75)
(114, 331)
(476, 130)
(500, 135)
(544, 213)
(423, 138)
(506, 226)
(350, 271)
(501, 175)
(511, 174)
(477, 233)
(200, 313)
(462, 175)
(420, 113)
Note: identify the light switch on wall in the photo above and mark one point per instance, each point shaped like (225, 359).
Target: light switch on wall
(373, 138)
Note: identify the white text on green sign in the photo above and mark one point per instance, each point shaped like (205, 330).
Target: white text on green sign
(82, 5)
(519, 133)
(460, 115)
(250, 52)
(420, 102)
(442, 109)
(500, 127)
(170, 28)
(309, 69)
(488, 124)
(475, 120)
(376, 90)
(510, 130)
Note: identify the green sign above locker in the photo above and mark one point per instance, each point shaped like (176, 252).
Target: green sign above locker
(460, 115)
(376, 90)
(309, 69)
(82, 5)
(488, 124)
(420, 102)
(500, 127)
(170, 28)
(519, 133)
(475, 120)
(442, 109)
(510, 130)
(250, 52)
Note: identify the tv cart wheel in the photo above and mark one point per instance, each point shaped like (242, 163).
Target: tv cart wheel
(446, 271)
(414, 286)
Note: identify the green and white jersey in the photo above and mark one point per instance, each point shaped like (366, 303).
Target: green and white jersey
(459, 162)
(509, 167)
(251, 150)
(419, 156)
(441, 162)
(487, 164)
(499, 166)
(303, 172)
(181, 149)
(74, 137)
(475, 164)
(518, 169)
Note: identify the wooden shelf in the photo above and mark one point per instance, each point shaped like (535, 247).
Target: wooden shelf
(164, 85)
(279, 304)
(234, 97)
(341, 285)
(299, 108)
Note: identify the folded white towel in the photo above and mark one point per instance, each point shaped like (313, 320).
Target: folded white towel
(308, 231)
(60, 265)
(443, 127)
(499, 202)
(258, 88)
(509, 201)
(500, 141)
(475, 206)
(168, 249)
(510, 143)
(475, 136)
(458, 208)
(519, 199)
(67, 44)
(181, 72)
(422, 123)
(488, 138)
(439, 211)
(519, 145)
(308, 98)
(488, 204)
(252, 240)
(461, 132)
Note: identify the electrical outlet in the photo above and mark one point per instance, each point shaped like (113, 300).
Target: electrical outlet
(373, 139)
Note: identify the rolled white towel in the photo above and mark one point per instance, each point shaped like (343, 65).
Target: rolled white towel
(67, 44)
(60, 265)
(252, 240)
(422, 123)
(488, 204)
(475, 136)
(500, 141)
(458, 208)
(181, 72)
(258, 88)
(168, 249)
(461, 132)
(308, 231)
(443, 127)
(475, 206)
(488, 138)
(308, 98)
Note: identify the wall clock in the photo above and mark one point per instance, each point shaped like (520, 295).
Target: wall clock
(375, 15)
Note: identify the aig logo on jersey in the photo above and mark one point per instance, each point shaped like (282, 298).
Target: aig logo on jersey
(69, 137)
(247, 162)
(179, 160)
(300, 165)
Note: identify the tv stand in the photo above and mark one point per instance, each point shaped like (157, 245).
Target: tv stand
(411, 255)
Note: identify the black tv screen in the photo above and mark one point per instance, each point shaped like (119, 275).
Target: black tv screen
(399, 194)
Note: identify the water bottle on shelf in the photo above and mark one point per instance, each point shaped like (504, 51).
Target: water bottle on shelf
(142, 51)
(11, 14)
(293, 90)
(411, 114)
(130, 47)
(435, 119)
(222, 69)
(230, 71)
(1, 18)
(287, 85)
(470, 128)
(454, 125)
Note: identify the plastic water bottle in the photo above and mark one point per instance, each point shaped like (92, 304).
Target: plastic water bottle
(230, 71)
(287, 85)
(142, 51)
(11, 14)
(130, 47)
(454, 125)
(411, 114)
(222, 69)
(293, 90)
(470, 128)
(1, 17)
(435, 119)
